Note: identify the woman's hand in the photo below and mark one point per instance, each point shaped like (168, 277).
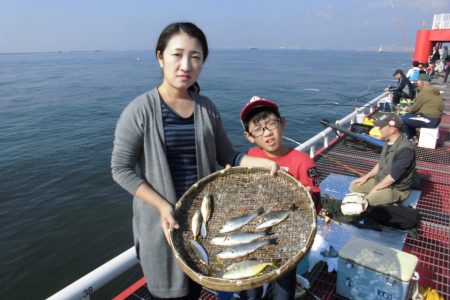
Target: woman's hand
(167, 220)
(147, 194)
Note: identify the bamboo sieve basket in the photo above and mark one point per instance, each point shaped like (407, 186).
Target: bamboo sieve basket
(239, 191)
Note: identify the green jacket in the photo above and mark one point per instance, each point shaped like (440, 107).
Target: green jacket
(387, 157)
(428, 102)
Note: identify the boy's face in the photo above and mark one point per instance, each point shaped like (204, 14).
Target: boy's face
(267, 134)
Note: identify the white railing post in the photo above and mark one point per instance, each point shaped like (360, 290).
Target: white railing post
(86, 285)
(441, 21)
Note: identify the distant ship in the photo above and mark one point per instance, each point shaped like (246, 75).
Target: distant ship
(380, 49)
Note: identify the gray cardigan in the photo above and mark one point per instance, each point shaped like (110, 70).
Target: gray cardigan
(139, 156)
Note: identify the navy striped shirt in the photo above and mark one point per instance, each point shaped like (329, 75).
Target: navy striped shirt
(180, 148)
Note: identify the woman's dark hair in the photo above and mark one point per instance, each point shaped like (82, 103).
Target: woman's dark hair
(191, 30)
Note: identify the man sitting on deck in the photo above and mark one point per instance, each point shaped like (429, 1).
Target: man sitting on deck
(391, 178)
(397, 91)
(426, 111)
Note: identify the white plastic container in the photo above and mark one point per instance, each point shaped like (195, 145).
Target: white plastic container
(369, 270)
(360, 117)
(428, 137)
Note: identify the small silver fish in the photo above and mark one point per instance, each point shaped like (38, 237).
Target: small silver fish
(273, 218)
(206, 209)
(200, 252)
(196, 223)
(246, 268)
(238, 222)
(243, 249)
(236, 238)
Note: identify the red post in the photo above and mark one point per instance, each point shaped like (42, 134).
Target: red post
(423, 46)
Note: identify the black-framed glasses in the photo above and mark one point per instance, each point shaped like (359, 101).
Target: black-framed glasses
(271, 125)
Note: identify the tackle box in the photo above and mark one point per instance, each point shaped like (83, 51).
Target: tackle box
(369, 270)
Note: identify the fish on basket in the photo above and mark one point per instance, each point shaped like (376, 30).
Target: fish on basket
(206, 210)
(237, 238)
(200, 252)
(246, 268)
(244, 249)
(196, 223)
(273, 218)
(238, 222)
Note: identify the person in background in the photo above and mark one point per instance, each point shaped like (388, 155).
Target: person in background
(390, 180)
(397, 91)
(263, 126)
(413, 73)
(446, 71)
(166, 140)
(422, 68)
(435, 56)
(446, 61)
(426, 111)
(444, 55)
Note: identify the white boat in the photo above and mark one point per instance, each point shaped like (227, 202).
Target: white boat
(330, 153)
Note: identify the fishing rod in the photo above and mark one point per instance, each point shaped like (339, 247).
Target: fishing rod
(401, 28)
(330, 103)
(353, 98)
(338, 103)
(345, 166)
(329, 106)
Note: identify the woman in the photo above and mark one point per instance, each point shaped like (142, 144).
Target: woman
(166, 140)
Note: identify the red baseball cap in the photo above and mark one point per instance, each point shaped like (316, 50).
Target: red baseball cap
(257, 103)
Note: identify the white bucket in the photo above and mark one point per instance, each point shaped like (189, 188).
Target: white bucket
(360, 118)
(428, 137)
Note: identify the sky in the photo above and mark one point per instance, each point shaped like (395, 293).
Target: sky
(73, 25)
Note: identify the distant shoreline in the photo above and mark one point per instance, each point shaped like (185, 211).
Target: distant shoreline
(262, 49)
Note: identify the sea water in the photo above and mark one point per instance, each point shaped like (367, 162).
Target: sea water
(61, 214)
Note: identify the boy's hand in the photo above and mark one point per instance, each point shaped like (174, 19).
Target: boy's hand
(249, 161)
(274, 168)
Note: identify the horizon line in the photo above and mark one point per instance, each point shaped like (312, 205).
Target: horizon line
(237, 48)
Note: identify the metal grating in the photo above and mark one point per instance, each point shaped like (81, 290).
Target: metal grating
(432, 247)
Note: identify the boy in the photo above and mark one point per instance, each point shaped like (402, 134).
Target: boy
(263, 126)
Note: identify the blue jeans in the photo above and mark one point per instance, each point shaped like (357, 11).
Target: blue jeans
(413, 121)
(283, 289)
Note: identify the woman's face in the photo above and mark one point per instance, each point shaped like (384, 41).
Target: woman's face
(181, 61)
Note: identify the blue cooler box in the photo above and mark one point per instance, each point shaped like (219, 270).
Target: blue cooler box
(369, 270)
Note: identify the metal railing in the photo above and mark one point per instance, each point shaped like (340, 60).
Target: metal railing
(322, 138)
(89, 283)
(441, 21)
